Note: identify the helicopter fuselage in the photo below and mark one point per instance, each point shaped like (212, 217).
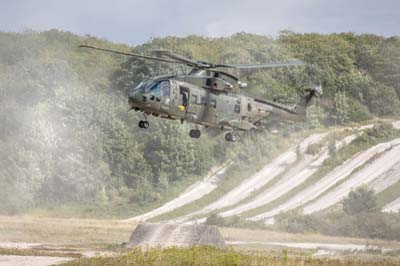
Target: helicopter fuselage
(197, 99)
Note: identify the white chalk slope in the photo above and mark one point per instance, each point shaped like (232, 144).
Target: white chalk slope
(392, 206)
(339, 173)
(305, 168)
(367, 174)
(257, 181)
(378, 167)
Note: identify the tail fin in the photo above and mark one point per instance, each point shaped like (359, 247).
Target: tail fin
(310, 93)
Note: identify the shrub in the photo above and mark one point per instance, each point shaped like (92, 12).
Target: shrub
(362, 200)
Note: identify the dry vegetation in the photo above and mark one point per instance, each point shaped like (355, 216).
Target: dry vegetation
(67, 232)
(39, 252)
(211, 256)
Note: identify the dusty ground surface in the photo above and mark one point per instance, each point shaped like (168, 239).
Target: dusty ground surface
(52, 235)
(30, 261)
(104, 238)
(69, 232)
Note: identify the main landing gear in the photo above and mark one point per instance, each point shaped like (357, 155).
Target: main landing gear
(231, 137)
(194, 133)
(144, 124)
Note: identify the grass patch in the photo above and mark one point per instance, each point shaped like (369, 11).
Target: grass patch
(71, 232)
(212, 256)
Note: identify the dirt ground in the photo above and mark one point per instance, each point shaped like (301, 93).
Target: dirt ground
(30, 261)
(26, 235)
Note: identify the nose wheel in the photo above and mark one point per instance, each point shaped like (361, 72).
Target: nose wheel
(231, 137)
(194, 133)
(144, 124)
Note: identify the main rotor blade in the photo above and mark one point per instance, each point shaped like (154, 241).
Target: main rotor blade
(131, 54)
(266, 65)
(177, 57)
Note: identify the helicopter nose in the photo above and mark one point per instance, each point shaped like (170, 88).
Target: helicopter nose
(132, 98)
(131, 101)
(136, 98)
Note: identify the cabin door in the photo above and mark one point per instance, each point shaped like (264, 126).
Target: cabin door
(184, 96)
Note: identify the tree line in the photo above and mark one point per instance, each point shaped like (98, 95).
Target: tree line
(66, 138)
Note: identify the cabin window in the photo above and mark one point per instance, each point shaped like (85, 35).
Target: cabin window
(194, 99)
(237, 108)
(213, 103)
(203, 100)
(165, 91)
(208, 82)
(165, 88)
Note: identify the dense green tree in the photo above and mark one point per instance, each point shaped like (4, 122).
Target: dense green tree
(362, 200)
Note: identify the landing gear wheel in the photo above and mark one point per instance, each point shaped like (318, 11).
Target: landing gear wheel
(231, 136)
(228, 136)
(194, 133)
(198, 133)
(144, 124)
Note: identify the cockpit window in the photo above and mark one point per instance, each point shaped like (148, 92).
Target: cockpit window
(142, 86)
(156, 88)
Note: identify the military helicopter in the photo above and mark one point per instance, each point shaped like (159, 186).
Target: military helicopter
(207, 96)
